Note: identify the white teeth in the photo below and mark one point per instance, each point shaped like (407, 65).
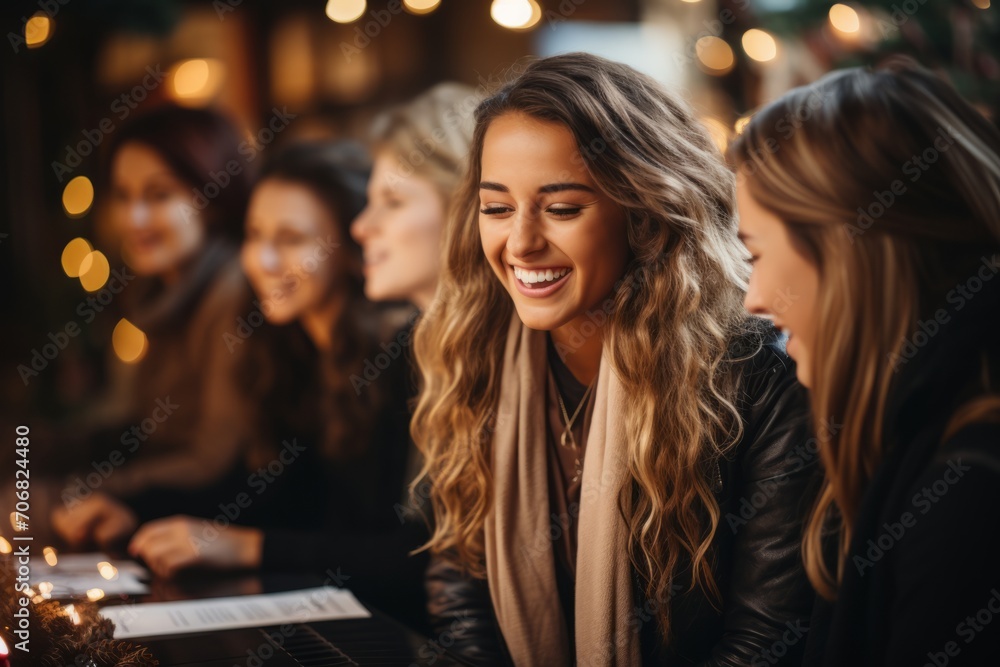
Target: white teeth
(531, 277)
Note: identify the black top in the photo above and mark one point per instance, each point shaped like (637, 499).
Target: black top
(350, 521)
(565, 463)
(922, 581)
(369, 525)
(765, 490)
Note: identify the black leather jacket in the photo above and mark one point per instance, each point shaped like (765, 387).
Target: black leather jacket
(765, 490)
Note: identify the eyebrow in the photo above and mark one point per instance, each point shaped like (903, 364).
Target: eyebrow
(545, 189)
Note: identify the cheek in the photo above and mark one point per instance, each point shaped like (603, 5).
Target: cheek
(424, 230)
(494, 240)
(248, 260)
(322, 278)
(184, 224)
(602, 251)
(807, 302)
(118, 212)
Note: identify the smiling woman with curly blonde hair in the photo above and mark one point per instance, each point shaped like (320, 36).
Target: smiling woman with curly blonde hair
(608, 435)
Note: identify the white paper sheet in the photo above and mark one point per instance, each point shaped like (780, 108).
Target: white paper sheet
(244, 611)
(75, 574)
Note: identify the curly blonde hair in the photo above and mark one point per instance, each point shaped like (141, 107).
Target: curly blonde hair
(673, 319)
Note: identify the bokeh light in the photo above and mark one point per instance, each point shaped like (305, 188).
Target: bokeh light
(196, 81)
(78, 197)
(845, 19)
(129, 341)
(421, 6)
(345, 11)
(714, 54)
(51, 556)
(719, 132)
(37, 30)
(513, 14)
(73, 255)
(759, 45)
(107, 570)
(94, 271)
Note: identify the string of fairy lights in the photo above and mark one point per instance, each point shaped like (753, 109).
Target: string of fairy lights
(510, 14)
(46, 590)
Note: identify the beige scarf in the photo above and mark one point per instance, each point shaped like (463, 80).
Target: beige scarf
(520, 562)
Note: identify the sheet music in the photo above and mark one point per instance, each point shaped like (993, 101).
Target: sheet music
(245, 611)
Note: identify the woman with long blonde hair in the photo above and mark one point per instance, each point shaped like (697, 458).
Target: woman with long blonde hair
(878, 219)
(608, 437)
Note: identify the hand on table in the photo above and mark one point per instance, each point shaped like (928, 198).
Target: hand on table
(180, 542)
(99, 519)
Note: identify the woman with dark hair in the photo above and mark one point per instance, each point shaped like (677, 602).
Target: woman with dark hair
(874, 230)
(341, 440)
(609, 439)
(177, 184)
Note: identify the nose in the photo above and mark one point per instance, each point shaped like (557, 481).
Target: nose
(754, 300)
(136, 214)
(269, 260)
(362, 225)
(525, 236)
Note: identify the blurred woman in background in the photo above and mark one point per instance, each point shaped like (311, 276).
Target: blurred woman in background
(421, 152)
(340, 450)
(875, 235)
(171, 426)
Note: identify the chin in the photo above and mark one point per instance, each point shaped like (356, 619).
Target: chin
(376, 292)
(802, 376)
(280, 318)
(147, 263)
(537, 318)
(146, 268)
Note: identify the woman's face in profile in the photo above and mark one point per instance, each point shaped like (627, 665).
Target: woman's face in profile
(290, 250)
(400, 234)
(784, 285)
(555, 241)
(153, 213)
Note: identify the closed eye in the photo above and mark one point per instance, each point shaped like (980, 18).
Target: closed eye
(494, 210)
(564, 211)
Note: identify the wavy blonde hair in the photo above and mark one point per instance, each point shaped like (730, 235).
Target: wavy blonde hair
(675, 315)
(811, 158)
(430, 135)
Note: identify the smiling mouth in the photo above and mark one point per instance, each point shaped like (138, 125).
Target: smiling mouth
(145, 241)
(537, 279)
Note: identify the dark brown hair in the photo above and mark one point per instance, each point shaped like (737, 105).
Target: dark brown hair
(203, 148)
(284, 372)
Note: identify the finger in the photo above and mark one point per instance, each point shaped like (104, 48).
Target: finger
(156, 543)
(168, 560)
(113, 528)
(78, 522)
(149, 533)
